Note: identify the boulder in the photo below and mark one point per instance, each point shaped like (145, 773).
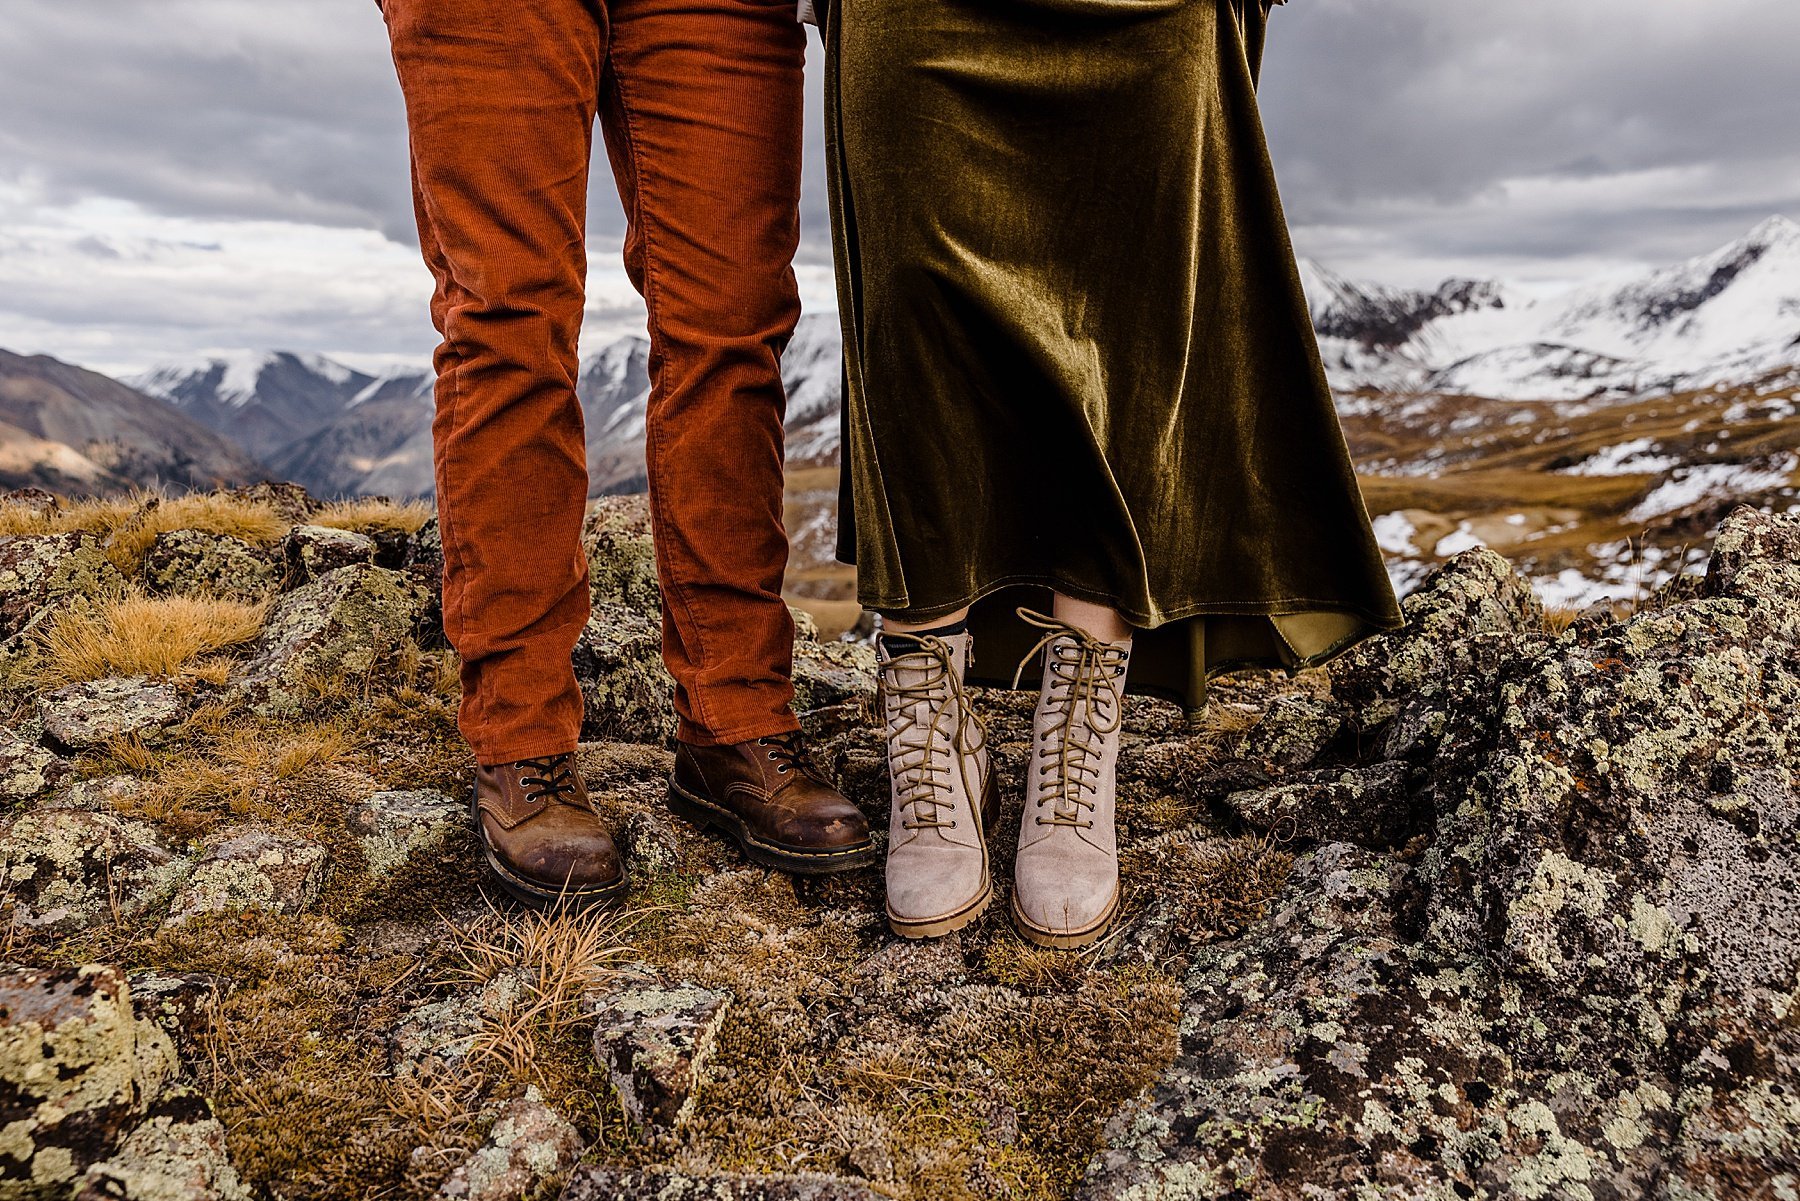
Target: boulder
(530, 1148)
(78, 1072)
(653, 1036)
(396, 825)
(215, 564)
(64, 870)
(97, 794)
(1369, 806)
(309, 551)
(627, 693)
(41, 573)
(179, 1002)
(341, 625)
(290, 502)
(1465, 618)
(1578, 983)
(177, 1153)
(257, 869)
(91, 713)
(832, 673)
(27, 770)
(621, 556)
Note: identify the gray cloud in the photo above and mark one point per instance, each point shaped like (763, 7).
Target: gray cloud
(1412, 138)
(1383, 111)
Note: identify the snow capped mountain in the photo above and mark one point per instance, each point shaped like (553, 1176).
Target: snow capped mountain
(1724, 317)
(615, 389)
(263, 401)
(1728, 317)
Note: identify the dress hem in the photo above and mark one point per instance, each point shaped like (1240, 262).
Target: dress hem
(1276, 607)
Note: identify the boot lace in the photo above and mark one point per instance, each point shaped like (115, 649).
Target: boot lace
(788, 752)
(921, 737)
(554, 778)
(1081, 674)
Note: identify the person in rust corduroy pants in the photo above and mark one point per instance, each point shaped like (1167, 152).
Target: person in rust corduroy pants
(700, 102)
(701, 108)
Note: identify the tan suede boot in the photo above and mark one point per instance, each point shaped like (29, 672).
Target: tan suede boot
(1066, 874)
(942, 794)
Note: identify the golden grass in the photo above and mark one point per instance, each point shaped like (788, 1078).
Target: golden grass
(134, 634)
(213, 512)
(559, 955)
(97, 514)
(131, 523)
(374, 513)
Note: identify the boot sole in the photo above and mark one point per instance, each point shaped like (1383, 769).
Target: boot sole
(798, 860)
(1065, 940)
(573, 900)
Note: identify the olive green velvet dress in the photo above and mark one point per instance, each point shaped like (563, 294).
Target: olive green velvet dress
(1077, 352)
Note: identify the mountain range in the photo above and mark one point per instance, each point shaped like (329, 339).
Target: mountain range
(1720, 318)
(1725, 317)
(1587, 431)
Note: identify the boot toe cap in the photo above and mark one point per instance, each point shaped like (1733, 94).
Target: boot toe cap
(825, 828)
(932, 900)
(1066, 905)
(572, 866)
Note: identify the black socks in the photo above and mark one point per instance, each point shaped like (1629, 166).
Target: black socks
(896, 643)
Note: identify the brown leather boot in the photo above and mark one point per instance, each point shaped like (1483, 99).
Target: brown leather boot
(770, 799)
(542, 836)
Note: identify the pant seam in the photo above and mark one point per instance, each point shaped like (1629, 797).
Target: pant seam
(446, 526)
(653, 426)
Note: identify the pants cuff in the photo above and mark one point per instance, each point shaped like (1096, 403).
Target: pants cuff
(494, 756)
(686, 731)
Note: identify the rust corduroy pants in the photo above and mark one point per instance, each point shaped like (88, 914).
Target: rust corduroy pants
(700, 104)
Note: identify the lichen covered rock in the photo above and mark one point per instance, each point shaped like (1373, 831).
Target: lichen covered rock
(78, 1071)
(621, 556)
(653, 1037)
(177, 1153)
(27, 770)
(831, 673)
(340, 626)
(257, 869)
(1578, 981)
(63, 870)
(91, 713)
(529, 1149)
(396, 825)
(626, 691)
(435, 1040)
(309, 551)
(41, 573)
(199, 561)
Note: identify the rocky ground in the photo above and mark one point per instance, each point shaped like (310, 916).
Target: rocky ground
(1502, 906)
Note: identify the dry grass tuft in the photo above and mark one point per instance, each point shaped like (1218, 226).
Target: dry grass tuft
(374, 513)
(214, 512)
(134, 634)
(129, 524)
(96, 514)
(558, 956)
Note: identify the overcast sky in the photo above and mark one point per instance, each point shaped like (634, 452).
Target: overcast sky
(178, 176)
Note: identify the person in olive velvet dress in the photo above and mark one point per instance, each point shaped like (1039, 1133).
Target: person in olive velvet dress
(1086, 417)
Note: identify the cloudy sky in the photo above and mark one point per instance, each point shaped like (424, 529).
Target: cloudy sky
(178, 176)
